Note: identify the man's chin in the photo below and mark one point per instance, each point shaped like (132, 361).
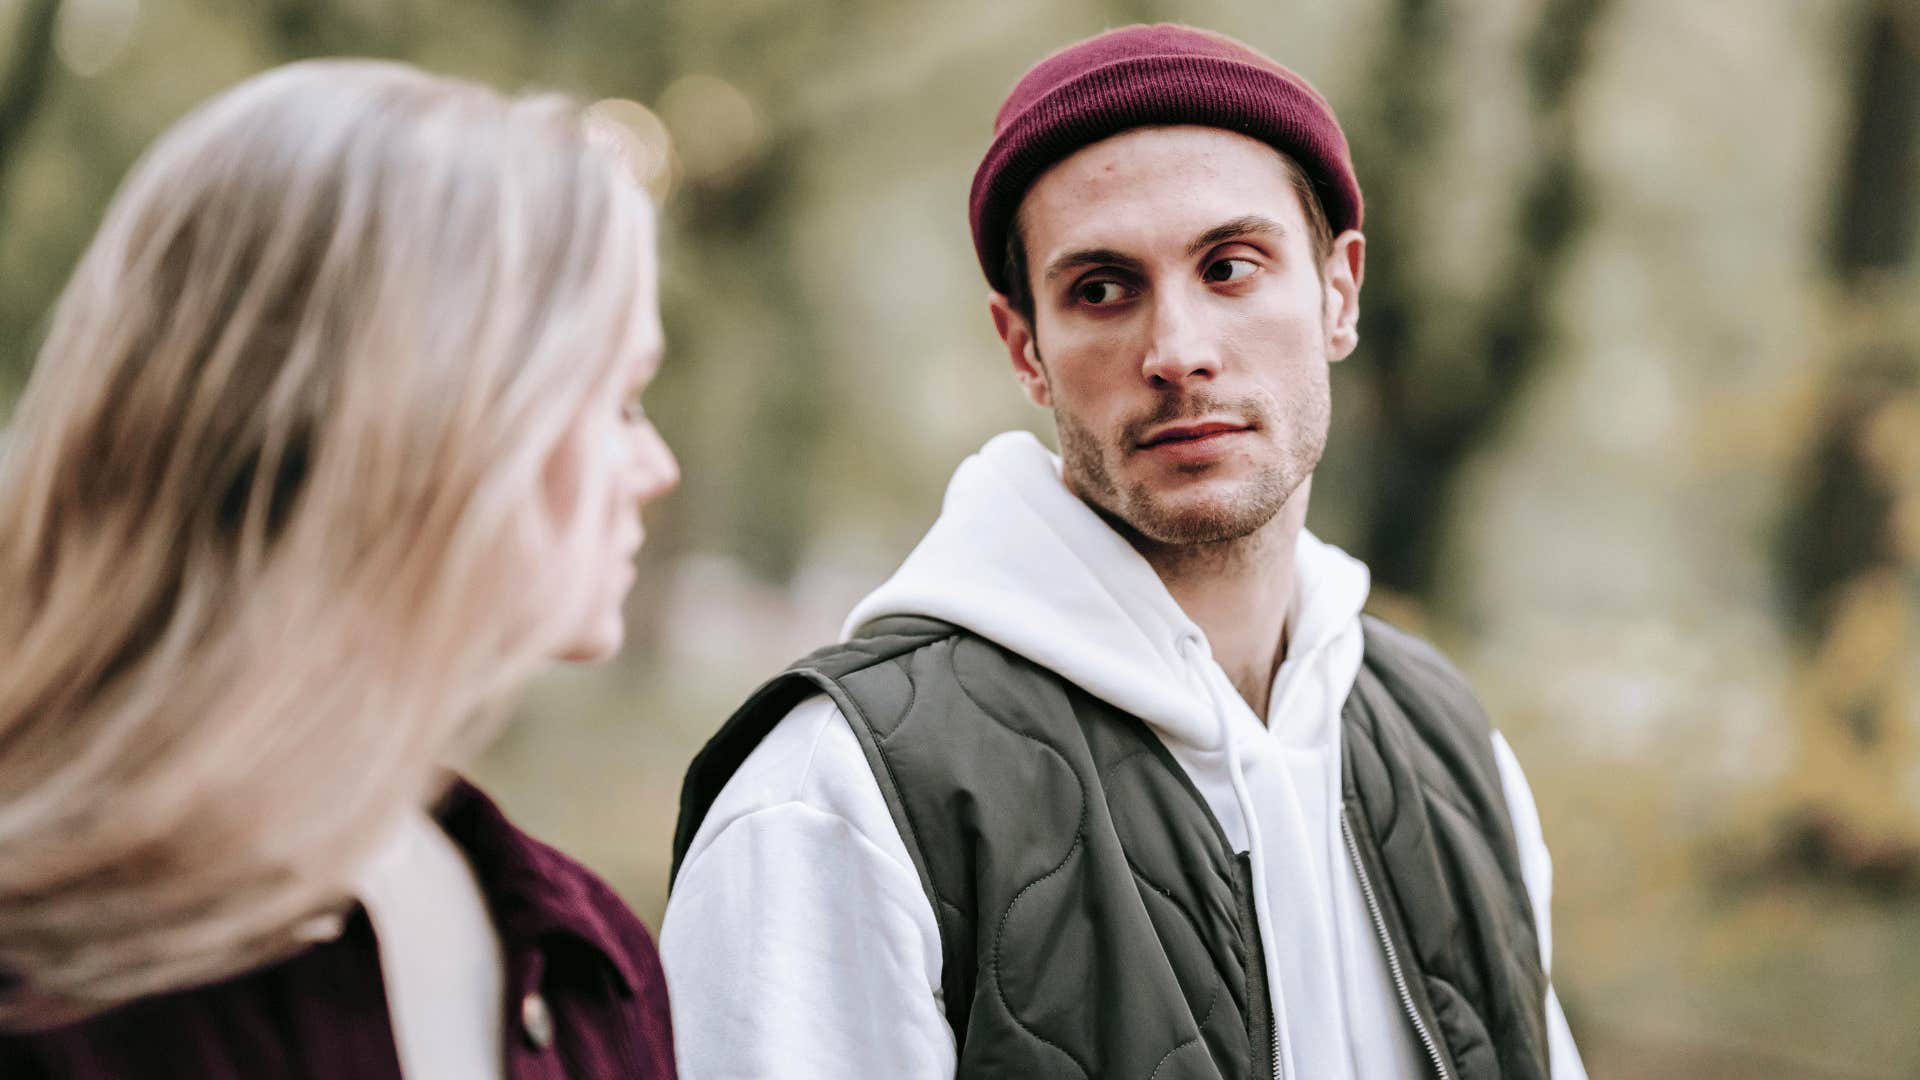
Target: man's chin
(1211, 510)
(1192, 521)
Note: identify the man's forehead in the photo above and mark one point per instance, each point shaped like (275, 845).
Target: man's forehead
(1155, 185)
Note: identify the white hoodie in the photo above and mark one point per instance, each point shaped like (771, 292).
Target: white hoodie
(798, 941)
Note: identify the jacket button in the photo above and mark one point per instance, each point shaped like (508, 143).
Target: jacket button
(536, 1021)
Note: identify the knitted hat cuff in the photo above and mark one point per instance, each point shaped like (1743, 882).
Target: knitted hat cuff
(1266, 103)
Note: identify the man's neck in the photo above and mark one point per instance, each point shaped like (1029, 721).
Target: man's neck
(1239, 592)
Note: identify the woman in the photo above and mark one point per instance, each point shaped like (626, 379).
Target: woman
(334, 439)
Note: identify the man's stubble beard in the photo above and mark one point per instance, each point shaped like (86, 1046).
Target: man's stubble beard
(1209, 525)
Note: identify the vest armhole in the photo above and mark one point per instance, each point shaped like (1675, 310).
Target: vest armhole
(721, 758)
(958, 999)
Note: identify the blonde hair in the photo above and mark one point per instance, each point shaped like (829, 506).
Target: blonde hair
(270, 503)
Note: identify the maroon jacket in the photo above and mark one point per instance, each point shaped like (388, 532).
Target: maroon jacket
(586, 999)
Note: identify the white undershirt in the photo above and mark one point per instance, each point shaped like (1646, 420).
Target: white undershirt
(440, 956)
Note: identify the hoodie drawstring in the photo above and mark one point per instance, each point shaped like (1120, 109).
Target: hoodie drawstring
(1194, 653)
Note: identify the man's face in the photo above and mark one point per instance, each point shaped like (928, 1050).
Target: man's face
(1182, 329)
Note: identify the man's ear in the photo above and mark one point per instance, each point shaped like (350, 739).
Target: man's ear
(1016, 333)
(1345, 269)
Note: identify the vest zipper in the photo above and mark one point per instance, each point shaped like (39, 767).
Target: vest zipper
(1393, 955)
(1259, 996)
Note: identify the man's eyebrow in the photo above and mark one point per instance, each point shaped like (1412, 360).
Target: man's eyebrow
(1075, 260)
(1250, 225)
(1240, 227)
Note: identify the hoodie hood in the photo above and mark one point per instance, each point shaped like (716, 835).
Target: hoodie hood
(1019, 559)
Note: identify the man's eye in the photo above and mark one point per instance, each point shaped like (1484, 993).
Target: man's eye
(1230, 270)
(632, 411)
(1100, 293)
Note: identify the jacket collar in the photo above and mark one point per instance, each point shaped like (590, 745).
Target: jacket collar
(537, 896)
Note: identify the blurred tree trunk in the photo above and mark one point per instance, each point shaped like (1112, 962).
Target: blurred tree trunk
(1849, 545)
(301, 29)
(744, 231)
(29, 70)
(1875, 228)
(733, 244)
(1437, 403)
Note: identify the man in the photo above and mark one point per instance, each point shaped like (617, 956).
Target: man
(1112, 779)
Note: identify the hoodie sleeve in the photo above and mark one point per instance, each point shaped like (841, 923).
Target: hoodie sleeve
(1536, 868)
(798, 941)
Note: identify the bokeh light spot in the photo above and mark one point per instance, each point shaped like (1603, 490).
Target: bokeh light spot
(638, 138)
(92, 34)
(714, 127)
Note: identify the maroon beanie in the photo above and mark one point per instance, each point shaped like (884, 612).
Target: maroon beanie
(1141, 75)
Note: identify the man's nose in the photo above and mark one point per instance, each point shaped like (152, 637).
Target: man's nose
(1181, 346)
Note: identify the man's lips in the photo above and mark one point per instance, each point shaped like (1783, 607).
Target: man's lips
(1188, 433)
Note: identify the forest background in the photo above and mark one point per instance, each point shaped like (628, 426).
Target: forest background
(1633, 429)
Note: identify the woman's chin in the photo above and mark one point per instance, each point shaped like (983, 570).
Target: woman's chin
(600, 642)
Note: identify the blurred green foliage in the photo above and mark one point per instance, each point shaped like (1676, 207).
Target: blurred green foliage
(1633, 429)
